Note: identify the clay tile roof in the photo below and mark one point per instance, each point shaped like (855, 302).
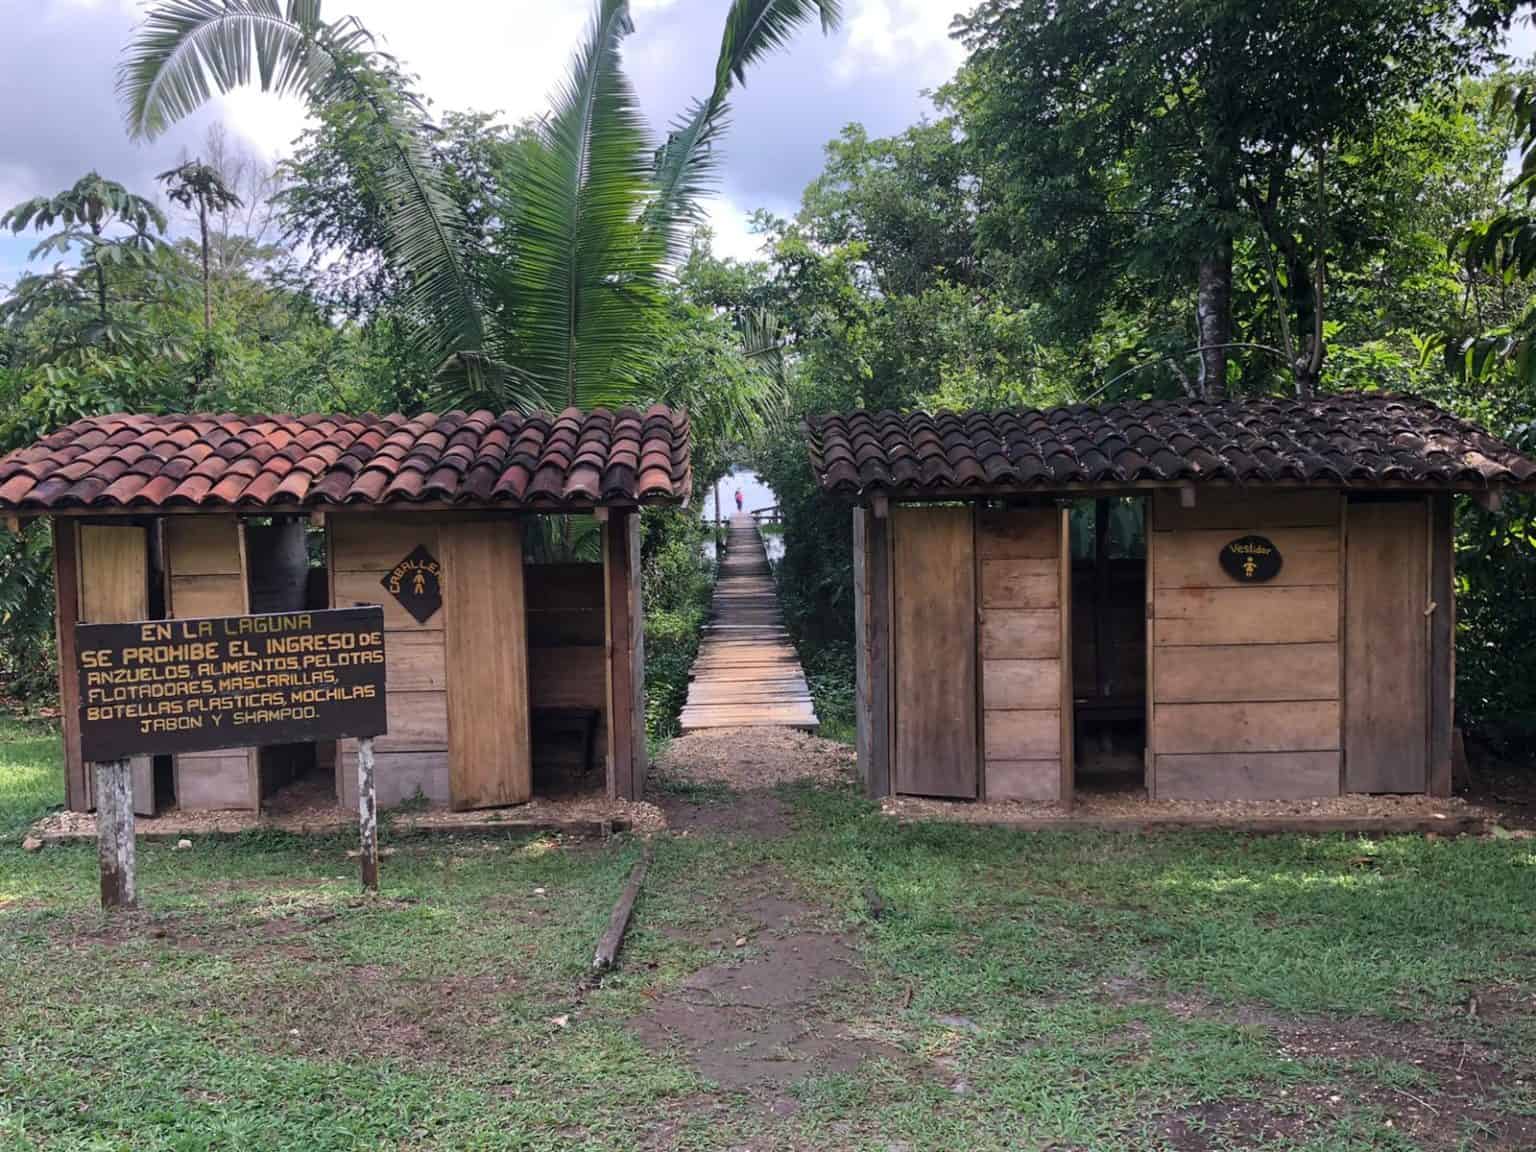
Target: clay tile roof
(573, 460)
(1361, 440)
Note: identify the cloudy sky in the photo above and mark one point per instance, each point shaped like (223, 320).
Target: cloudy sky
(59, 117)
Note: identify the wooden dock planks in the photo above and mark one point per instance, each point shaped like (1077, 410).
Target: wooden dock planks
(747, 672)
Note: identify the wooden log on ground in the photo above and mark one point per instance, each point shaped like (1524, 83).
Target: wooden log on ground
(618, 923)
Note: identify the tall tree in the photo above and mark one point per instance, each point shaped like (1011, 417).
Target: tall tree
(107, 222)
(199, 186)
(565, 310)
(1129, 150)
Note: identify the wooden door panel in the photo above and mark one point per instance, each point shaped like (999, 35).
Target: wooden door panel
(114, 589)
(934, 598)
(490, 760)
(1385, 647)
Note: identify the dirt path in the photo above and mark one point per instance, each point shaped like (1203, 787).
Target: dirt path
(762, 1015)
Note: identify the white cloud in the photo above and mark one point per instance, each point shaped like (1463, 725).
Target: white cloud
(912, 35)
(731, 227)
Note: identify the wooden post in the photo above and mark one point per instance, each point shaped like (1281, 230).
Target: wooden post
(878, 779)
(114, 833)
(625, 779)
(367, 815)
(1442, 643)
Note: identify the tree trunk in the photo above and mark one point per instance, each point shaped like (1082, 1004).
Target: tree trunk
(202, 223)
(1213, 317)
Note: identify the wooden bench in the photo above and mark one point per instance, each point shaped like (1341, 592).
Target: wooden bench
(566, 721)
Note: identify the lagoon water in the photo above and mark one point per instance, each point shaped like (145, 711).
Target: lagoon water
(755, 496)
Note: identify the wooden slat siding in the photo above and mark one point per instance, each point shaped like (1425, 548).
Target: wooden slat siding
(1021, 684)
(1243, 675)
(360, 549)
(398, 777)
(1068, 706)
(66, 605)
(490, 757)
(878, 777)
(1386, 647)
(934, 602)
(1247, 726)
(114, 587)
(1218, 672)
(1238, 510)
(1021, 633)
(1022, 652)
(860, 646)
(1023, 582)
(1256, 614)
(204, 576)
(1278, 775)
(1442, 642)
(616, 598)
(1192, 559)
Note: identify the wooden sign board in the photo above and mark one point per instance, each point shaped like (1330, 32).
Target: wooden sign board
(1251, 559)
(195, 685)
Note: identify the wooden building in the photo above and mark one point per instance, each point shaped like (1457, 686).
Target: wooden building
(1251, 599)
(503, 672)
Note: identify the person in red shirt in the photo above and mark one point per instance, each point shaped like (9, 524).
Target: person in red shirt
(738, 499)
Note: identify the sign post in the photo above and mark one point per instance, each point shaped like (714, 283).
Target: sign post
(114, 833)
(367, 816)
(167, 686)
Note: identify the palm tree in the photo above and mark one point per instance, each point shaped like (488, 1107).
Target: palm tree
(195, 183)
(87, 212)
(569, 316)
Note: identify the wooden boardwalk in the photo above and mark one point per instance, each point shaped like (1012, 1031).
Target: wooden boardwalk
(747, 672)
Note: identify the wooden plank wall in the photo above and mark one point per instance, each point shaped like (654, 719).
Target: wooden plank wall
(1245, 679)
(205, 576)
(414, 755)
(1019, 558)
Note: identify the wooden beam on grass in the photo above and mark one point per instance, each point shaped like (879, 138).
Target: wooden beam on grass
(607, 953)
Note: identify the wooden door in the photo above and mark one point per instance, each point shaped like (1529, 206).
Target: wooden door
(934, 617)
(114, 588)
(490, 757)
(1386, 654)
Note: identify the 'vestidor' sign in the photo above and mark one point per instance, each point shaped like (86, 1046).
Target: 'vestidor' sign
(1251, 559)
(229, 681)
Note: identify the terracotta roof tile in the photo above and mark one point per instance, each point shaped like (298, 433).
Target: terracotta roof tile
(142, 462)
(1348, 440)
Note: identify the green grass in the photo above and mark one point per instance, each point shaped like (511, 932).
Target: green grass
(1101, 991)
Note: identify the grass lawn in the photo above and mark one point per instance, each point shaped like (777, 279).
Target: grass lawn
(941, 987)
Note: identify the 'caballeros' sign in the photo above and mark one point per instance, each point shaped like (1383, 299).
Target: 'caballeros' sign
(1251, 559)
(229, 681)
(417, 583)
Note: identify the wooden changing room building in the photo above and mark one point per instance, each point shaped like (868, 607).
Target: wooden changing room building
(1250, 599)
(504, 551)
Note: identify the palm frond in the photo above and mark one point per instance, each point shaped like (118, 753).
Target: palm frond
(581, 288)
(186, 50)
(754, 28)
(686, 164)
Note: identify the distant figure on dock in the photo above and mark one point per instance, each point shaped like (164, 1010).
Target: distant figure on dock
(738, 500)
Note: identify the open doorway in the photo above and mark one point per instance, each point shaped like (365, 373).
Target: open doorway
(1109, 643)
(285, 572)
